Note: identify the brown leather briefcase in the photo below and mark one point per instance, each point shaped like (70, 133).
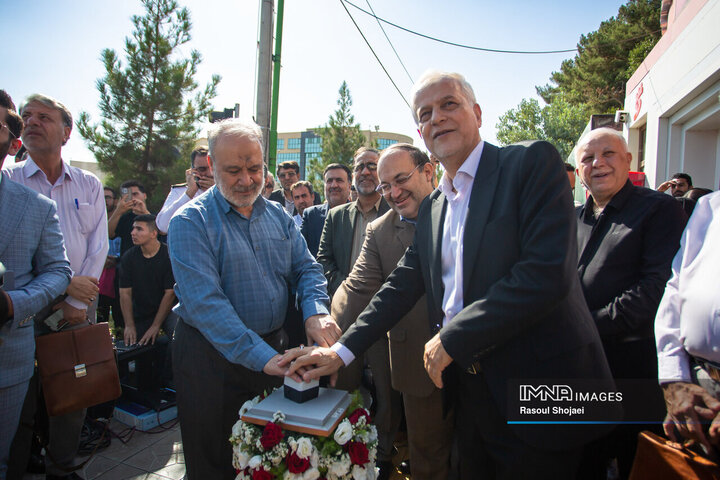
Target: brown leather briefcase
(77, 368)
(658, 458)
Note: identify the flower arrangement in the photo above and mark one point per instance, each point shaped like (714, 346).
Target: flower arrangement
(268, 452)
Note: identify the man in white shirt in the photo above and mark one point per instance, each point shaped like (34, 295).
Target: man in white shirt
(80, 202)
(687, 330)
(198, 179)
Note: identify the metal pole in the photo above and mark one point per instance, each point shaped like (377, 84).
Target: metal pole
(272, 147)
(262, 111)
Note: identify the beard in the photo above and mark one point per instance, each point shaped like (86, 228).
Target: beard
(230, 194)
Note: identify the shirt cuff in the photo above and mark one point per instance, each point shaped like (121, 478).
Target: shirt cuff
(343, 352)
(260, 356)
(74, 302)
(312, 308)
(674, 368)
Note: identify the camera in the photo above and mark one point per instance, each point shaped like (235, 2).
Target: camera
(124, 191)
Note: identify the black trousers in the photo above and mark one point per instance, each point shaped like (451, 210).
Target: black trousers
(210, 391)
(487, 447)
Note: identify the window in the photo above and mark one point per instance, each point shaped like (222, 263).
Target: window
(280, 144)
(313, 145)
(283, 157)
(293, 143)
(383, 143)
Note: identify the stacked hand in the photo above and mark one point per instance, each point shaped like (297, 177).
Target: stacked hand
(309, 363)
(83, 288)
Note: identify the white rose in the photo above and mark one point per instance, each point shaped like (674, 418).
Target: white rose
(343, 434)
(242, 459)
(373, 434)
(304, 448)
(372, 472)
(311, 474)
(245, 407)
(314, 458)
(340, 467)
(255, 462)
(237, 429)
(359, 473)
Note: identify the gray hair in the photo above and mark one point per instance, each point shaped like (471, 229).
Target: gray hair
(234, 127)
(598, 132)
(51, 103)
(431, 77)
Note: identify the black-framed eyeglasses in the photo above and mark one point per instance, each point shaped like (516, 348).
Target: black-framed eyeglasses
(4, 125)
(361, 166)
(385, 187)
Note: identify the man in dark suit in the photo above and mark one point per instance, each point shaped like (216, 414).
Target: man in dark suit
(494, 252)
(627, 237)
(288, 173)
(337, 178)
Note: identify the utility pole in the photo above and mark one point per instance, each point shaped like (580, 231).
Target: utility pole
(265, 41)
(272, 148)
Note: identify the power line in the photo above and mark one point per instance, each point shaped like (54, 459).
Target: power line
(470, 47)
(375, 55)
(391, 44)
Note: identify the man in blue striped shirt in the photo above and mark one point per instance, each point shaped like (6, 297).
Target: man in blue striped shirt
(235, 256)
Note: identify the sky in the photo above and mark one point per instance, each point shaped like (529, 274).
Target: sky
(54, 48)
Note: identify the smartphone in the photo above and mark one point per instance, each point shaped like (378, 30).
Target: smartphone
(56, 322)
(124, 192)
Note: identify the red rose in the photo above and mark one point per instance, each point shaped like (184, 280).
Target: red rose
(271, 436)
(357, 414)
(296, 464)
(358, 453)
(261, 474)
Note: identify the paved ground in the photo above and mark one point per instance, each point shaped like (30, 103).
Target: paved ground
(154, 455)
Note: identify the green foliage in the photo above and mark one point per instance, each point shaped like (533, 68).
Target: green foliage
(149, 105)
(560, 123)
(341, 137)
(607, 58)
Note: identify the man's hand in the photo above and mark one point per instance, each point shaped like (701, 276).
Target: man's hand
(687, 406)
(324, 360)
(129, 335)
(126, 203)
(436, 359)
(72, 315)
(322, 329)
(150, 336)
(272, 367)
(83, 288)
(192, 187)
(139, 207)
(206, 182)
(665, 185)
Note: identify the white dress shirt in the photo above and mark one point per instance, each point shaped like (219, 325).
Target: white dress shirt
(80, 201)
(457, 191)
(688, 318)
(452, 240)
(175, 199)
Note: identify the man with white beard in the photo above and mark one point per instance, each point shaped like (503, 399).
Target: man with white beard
(235, 256)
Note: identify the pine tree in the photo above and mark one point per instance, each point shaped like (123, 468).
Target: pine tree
(150, 106)
(341, 137)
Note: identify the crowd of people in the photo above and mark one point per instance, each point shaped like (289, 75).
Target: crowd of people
(442, 291)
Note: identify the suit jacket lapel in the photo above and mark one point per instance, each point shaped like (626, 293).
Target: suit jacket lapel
(437, 219)
(403, 234)
(481, 197)
(12, 204)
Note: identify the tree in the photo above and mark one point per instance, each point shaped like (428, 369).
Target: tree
(607, 58)
(559, 123)
(149, 106)
(341, 137)
(593, 82)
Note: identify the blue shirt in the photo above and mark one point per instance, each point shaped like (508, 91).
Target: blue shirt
(232, 274)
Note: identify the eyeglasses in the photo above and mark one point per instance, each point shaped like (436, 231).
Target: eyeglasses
(385, 187)
(361, 166)
(4, 125)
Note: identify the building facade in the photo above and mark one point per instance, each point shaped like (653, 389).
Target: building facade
(305, 146)
(673, 99)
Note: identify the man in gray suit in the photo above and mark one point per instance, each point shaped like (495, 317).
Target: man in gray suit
(37, 270)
